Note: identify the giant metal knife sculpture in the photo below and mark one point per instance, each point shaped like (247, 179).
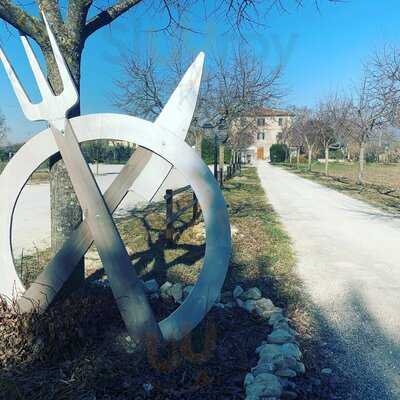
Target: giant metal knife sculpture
(162, 146)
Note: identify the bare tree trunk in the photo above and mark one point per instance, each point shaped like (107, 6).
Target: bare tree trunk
(66, 213)
(221, 158)
(360, 177)
(309, 158)
(198, 142)
(298, 158)
(326, 160)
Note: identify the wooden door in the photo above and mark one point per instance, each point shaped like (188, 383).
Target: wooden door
(260, 153)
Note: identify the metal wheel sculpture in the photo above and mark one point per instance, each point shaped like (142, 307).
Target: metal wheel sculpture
(162, 146)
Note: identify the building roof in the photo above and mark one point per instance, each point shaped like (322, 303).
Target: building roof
(270, 112)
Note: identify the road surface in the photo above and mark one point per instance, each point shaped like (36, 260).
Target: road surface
(349, 260)
(31, 223)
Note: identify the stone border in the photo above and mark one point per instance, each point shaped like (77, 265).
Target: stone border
(279, 355)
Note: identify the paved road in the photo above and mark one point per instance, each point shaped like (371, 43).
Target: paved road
(31, 225)
(349, 260)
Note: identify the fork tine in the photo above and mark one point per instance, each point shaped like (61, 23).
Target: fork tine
(30, 110)
(41, 81)
(69, 93)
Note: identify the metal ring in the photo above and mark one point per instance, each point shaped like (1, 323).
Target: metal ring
(171, 150)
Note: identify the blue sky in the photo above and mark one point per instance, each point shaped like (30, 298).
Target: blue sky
(324, 50)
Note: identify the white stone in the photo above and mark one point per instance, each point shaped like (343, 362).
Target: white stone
(251, 294)
(254, 390)
(280, 336)
(292, 349)
(249, 379)
(151, 286)
(237, 291)
(269, 351)
(286, 373)
(272, 386)
(264, 307)
(249, 305)
(176, 291)
(276, 317)
(326, 371)
(262, 368)
(164, 289)
(283, 361)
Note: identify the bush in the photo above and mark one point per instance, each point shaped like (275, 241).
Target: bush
(207, 152)
(278, 153)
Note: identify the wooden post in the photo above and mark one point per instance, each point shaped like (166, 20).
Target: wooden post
(195, 207)
(169, 230)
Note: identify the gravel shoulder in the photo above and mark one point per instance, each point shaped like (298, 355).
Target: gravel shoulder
(348, 260)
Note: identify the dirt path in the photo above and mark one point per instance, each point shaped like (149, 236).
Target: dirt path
(349, 260)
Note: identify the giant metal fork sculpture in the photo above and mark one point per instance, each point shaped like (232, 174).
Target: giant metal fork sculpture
(161, 144)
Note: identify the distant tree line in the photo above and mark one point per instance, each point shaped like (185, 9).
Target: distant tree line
(8, 150)
(207, 151)
(106, 152)
(100, 151)
(362, 124)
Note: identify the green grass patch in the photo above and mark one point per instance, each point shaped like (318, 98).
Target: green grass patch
(262, 255)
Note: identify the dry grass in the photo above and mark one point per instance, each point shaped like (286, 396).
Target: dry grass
(262, 254)
(376, 174)
(78, 349)
(381, 188)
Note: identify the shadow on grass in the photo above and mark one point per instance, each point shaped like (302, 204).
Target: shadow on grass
(79, 350)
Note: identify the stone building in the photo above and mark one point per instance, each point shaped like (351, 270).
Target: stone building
(267, 123)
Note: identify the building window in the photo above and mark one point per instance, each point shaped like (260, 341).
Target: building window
(260, 121)
(280, 121)
(260, 136)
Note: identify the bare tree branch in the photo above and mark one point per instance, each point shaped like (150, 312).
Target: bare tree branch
(110, 14)
(21, 20)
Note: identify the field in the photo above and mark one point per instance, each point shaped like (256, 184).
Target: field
(376, 174)
(381, 186)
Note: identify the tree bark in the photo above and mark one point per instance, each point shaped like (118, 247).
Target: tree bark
(199, 140)
(65, 211)
(221, 156)
(309, 158)
(71, 29)
(221, 162)
(360, 177)
(326, 160)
